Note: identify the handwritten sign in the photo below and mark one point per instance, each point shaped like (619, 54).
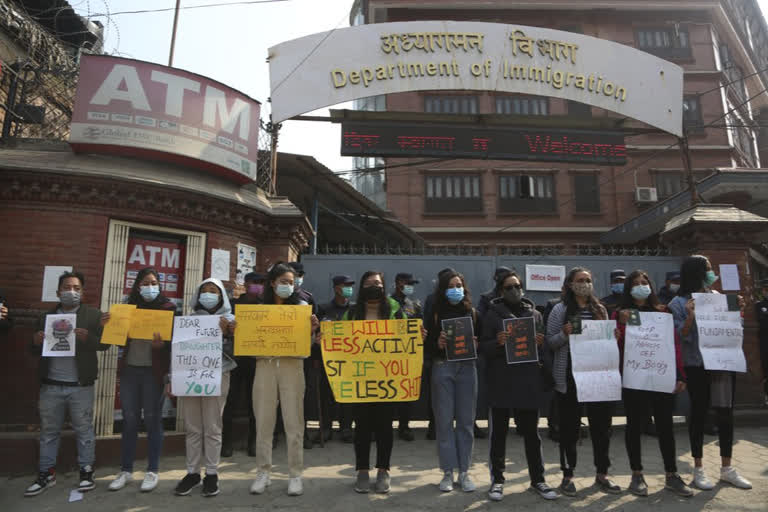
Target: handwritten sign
(146, 322)
(196, 356)
(721, 334)
(649, 353)
(595, 361)
(373, 360)
(116, 330)
(460, 339)
(59, 340)
(521, 340)
(269, 330)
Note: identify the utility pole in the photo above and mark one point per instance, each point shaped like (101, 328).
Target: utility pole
(686, 155)
(173, 33)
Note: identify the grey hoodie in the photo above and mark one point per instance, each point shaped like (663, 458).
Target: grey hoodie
(228, 361)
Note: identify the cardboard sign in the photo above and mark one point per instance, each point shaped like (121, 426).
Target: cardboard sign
(116, 330)
(59, 340)
(196, 356)
(521, 340)
(146, 322)
(595, 362)
(373, 360)
(649, 353)
(721, 333)
(270, 330)
(460, 339)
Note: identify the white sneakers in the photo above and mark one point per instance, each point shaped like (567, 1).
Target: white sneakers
(446, 484)
(150, 482)
(261, 483)
(700, 480)
(120, 480)
(731, 476)
(467, 485)
(295, 487)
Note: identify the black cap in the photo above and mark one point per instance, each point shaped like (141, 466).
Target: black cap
(616, 273)
(297, 266)
(501, 271)
(673, 276)
(408, 278)
(342, 279)
(255, 277)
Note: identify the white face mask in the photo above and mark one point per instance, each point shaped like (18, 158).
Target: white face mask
(674, 288)
(209, 300)
(284, 290)
(299, 281)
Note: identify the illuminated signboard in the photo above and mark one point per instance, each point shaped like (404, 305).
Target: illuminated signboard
(461, 141)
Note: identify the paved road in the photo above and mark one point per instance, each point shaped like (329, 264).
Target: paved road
(329, 476)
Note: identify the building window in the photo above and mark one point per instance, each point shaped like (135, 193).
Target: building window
(664, 42)
(742, 136)
(692, 113)
(524, 193)
(522, 105)
(669, 184)
(451, 104)
(453, 193)
(586, 193)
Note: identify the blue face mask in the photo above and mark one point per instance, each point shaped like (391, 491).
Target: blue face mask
(454, 295)
(209, 300)
(347, 292)
(640, 292)
(149, 293)
(710, 279)
(298, 282)
(284, 290)
(408, 289)
(617, 288)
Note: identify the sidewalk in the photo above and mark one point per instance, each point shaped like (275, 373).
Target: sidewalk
(329, 476)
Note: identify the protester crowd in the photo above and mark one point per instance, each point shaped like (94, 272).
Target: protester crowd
(276, 387)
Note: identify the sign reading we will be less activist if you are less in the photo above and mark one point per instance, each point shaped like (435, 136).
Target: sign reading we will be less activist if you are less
(373, 360)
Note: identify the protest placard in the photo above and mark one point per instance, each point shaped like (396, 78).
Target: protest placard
(460, 339)
(196, 356)
(59, 339)
(521, 340)
(146, 322)
(373, 360)
(270, 330)
(649, 353)
(595, 361)
(116, 330)
(721, 333)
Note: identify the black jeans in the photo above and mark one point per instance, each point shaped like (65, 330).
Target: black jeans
(638, 405)
(699, 392)
(240, 384)
(600, 416)
(316, 382)
(373, 418)
(527, 421)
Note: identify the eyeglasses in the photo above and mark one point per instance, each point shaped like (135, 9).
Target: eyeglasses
(513, 287)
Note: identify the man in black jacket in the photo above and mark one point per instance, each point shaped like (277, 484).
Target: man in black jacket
(67, 385)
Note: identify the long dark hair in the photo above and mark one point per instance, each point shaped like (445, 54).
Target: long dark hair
(385, 308)
(135, 296)
(441, 301)
(569, 298)
(276, 271)
(627, 301)
(693, 271)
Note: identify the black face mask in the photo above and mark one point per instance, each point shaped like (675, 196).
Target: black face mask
(371, 293)
(513, 296)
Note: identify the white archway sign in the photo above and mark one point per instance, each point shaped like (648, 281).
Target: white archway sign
(334, 67)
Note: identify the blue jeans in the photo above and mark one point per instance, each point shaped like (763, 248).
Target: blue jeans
(140, 392)
(454, 397)
(55, 401)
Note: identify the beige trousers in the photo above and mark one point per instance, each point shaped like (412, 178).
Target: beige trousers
(202, 422)
(279, 379)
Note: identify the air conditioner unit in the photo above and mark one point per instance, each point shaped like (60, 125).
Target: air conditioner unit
(646, 195)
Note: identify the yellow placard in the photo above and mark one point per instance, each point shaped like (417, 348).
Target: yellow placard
(373, 360)
(146, 322)
(270, 330)
(116, 330)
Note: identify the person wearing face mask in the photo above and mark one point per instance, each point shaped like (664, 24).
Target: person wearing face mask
(373, 417)
(454, 383)
(283, 378)
(706, 388)
(241, 377)
(66, 385)
(202, 414)
(514, 389)
(333, 311)
(618, 276)
(143, 366)
(638, 295)
(670, 288)
(579, 301)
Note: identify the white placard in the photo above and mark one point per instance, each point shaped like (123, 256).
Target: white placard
(595, 361)
(729, 277)
(196, 356)
(59, 339)
(51, 276)
(246, 260)
(545, 278)
(650, 362)
(721, 334)
(220, 264)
